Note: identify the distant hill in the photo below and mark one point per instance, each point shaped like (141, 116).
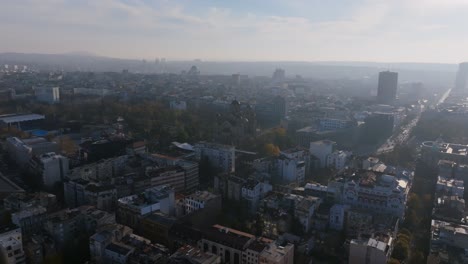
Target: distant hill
(434, 73)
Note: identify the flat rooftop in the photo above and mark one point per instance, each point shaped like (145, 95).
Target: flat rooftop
(449, 148)
(7, 186)
(202, 196)
(323, 142)
(15, 118)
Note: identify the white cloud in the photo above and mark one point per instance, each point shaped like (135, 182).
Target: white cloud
(375, 30)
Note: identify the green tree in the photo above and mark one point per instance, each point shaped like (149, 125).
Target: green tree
(405, 231)
(416, 257)
(400, 251)
(404, 237)
(259, 225)
(393, 261)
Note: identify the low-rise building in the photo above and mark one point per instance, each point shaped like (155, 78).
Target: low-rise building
(51, 167)
(156, 227)
(445, 234)
(117, 253)
(433, 151)
(227, 243)
(21, 121)
(118, 244)
(450, 209)
(332, 124)
(19, 201)
(101, 239)
(337, 216)
(378, 191)
(65, 225)
(11, 244)
(22, 150)
(290, 169)
(101, 170)
(189, 254)
(173, 176)
(132, 208)
(371, 250)
(275, 253)
(49, 95)
(450, 186)
(254, 190)
(30, 220)
(137, 148)
(219, 156)
(95, 218)
(321, 149)
(74, 192)
(338, 159)
(102, 197)
(234, 246)
(201, 200)
(190, 168)
(304, 209)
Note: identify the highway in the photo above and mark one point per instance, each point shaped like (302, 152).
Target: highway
(401, 136)
(444, 96)
(404, 132)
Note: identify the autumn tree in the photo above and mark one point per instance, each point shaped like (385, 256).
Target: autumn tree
(271, 150)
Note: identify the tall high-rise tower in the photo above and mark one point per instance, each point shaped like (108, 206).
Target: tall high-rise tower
(279, 75)
(462, 76)
(387, 89)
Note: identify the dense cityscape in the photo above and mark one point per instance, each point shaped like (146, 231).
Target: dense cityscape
(159, 167)
(233, 132)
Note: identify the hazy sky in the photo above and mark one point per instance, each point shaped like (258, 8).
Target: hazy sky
(302, 30)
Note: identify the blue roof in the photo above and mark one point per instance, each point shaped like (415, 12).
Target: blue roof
(39, 132)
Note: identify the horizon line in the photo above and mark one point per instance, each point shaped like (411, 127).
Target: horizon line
(91, 54)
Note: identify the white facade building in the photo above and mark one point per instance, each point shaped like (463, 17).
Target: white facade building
(321, 149)
(200, 200)
(332, 124)
(370, 251)
(385, 193)
(253, 191)
(11, 244)
(220, 156)
(304, 209)
(160, 198)
(450, 186)
(52, 167)
(338, 159)
(337, 216)
(50, 95)
(292, 165)
(291, 170)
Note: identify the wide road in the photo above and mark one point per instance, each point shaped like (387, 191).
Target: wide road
(444, 96)
(401, 134)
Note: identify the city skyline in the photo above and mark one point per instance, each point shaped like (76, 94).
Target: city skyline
(383, 31)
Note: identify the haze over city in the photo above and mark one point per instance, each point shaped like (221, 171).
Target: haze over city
(382, 31)
(233, 132)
